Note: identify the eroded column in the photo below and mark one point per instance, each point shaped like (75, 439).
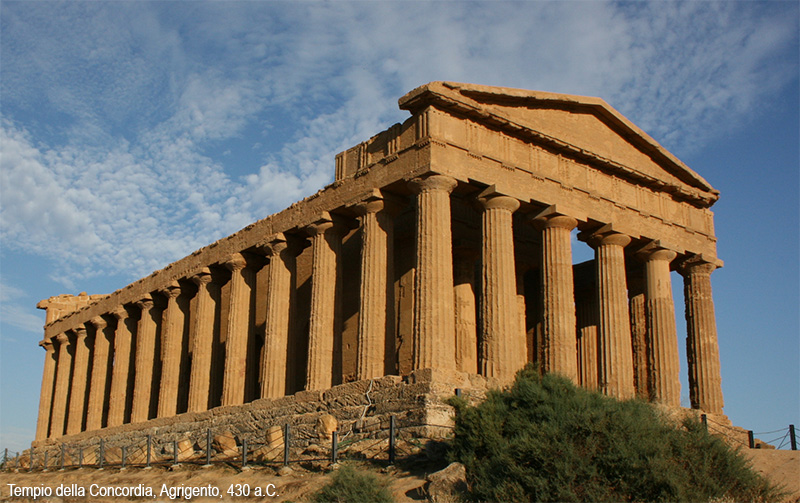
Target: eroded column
(465, 309)
(122, 370)
(280, 295)
(434, 322)
(145, 361)
(171, 334)
(558, 300)
(702, 347)
(46, 393)
(662, 335)
(98, 387)
(501, 340)
(61, 391)
(233, 384)
(375, 317)
(326, 247)
(615, 352)
(202, 336)
(77, 390)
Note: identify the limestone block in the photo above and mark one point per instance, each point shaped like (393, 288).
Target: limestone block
(273, 450)
(326, 425)
(448, 485)
(225, 443)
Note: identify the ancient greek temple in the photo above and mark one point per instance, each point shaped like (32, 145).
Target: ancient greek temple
(444, 242)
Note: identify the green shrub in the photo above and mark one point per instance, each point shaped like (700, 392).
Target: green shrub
(350, 486)
(548, 440)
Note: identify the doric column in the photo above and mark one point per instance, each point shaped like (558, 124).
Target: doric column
(615, 362)
(375, 316)
(233, 382)
(122, 370)
(662, 335)
(280, 297)
(702, 348)
(638, 313)
(77, 389)
(98, 387)
(46, 394)
(558, 300)
(61, 391)
(202, 337)
(326, 247)
(145, 361)
(466, 322)
(171, 334)
(434, 321)
(501, 340)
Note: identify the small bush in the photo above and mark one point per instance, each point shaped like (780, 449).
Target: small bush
(350, 486)
(548, 440)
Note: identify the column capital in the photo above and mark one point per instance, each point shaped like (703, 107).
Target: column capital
(433, 182)
(605, 235)
(47, 344)
(280, 244)
(201, 277)
(120, 313)
(236, 262)
(698, 264)
(378, 200)
(62, 338)
(99, 322)
(656, 250)
(79, 331)
(324, 223)
(491, 199)
(145, 302)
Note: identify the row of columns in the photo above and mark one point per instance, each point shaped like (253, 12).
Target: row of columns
(445, 334)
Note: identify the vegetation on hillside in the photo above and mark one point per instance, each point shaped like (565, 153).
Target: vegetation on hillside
(546, 439)
(348, 485)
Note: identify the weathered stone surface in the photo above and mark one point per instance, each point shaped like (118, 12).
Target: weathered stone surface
(447, 485)
(326, 425)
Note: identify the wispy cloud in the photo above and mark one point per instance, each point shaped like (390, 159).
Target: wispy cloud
(115, 125)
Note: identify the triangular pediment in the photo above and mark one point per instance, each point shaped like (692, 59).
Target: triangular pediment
(584, 127)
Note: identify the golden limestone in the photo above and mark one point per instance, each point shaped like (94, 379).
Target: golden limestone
(444, 243)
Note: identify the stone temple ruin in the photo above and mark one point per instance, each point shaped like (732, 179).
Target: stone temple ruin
(444, 243)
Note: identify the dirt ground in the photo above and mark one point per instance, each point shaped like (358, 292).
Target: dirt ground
(781, 467)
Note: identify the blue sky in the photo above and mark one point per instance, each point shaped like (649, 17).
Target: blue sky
(133, 133)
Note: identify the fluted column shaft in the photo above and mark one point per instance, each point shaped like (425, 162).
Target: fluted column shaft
(98, 387)
(662, 334)
(279, 302)
(46, 393)
(202, 336)
(77, 390)
(325, 249)
(558, 299)
(466, 321)
(121, 373)
(377, 288)
(501, 340)
(586, 313)
(702, 347)
(638, 314)
(145, 361)
(434, 321)
(171, 333)
(61, 391)
(615, 364)
(233, 383)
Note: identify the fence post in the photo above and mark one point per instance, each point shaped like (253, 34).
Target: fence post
(44, 467)
(286, 444)
(750, 439)
(174, 452)
(102, 453)
(334, 446)
(30, 469)
(208, 447)
(63, 451)
(80, 457)
(792, 437)
(392, 433)
(458, 392)
(124, 455)
(5, 459)
(149, 445)
(17, 462)
(244, 452)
